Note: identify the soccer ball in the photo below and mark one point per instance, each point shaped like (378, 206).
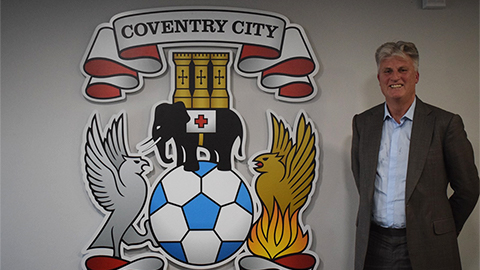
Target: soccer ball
(201, 218)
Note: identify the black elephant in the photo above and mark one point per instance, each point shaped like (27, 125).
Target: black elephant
(170, 122)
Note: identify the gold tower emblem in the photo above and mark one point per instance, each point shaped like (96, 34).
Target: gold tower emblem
(201, 80)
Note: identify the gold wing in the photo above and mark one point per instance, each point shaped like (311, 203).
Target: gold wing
(281, 142)
(300, 165)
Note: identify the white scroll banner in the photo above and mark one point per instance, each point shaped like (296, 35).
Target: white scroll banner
(130, 47)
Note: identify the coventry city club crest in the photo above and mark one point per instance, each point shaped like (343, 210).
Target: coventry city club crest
(199, 212)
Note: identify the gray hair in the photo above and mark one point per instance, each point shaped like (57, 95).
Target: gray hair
(399, 48)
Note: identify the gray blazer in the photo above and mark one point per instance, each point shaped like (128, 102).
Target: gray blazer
(440, 154)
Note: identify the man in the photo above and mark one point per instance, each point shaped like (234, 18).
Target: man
(404, 155)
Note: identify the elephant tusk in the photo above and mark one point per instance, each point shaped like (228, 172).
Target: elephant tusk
(146, 146)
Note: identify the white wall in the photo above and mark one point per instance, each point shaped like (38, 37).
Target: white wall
(46, 215)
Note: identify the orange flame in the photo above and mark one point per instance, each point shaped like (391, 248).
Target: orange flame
(276, 237)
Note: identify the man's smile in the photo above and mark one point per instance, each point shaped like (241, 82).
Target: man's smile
(396, 85)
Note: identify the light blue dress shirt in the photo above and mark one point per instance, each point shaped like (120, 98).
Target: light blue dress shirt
(390, 181)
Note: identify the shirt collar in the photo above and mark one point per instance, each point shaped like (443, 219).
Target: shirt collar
(408, 115)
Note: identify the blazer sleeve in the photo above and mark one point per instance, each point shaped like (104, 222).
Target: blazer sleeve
(461, 171)
(355, 151)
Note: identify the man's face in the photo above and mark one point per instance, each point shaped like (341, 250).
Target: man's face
(397, 78)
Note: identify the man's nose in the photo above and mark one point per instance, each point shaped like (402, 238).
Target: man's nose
(395, 75)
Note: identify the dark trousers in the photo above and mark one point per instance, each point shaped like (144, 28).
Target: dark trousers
(387, 249)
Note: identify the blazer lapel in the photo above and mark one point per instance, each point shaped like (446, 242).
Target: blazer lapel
(373, 136)
(422, 132)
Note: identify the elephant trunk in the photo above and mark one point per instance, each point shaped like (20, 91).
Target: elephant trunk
(162, 150)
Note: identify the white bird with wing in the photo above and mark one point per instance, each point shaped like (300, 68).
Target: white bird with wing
(116, 182)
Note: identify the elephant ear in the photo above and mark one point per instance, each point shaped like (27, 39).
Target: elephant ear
(180, 112)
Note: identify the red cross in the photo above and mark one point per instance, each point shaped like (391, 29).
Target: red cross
(201, 121)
